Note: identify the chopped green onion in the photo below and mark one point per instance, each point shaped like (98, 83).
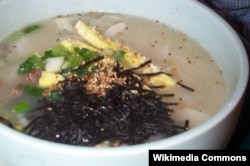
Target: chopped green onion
(119, 55)
(56, 51)
(19, 34)
(85, 53)
(15, 36)
(54, 96)
(60, 50)
(47, 54)
(84, 71)
(21, 107)
(32, 63)
(74, 61)
(31, 90)
(30, 29)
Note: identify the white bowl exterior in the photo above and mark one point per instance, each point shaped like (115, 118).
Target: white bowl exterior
(187, 16)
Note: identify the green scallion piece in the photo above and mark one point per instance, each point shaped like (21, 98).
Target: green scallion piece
(21, 107)
(30, 29)
(17, 35)
(119, 55)
(85, 53)
(54, 96)
(56, 51)
(32, 90)
(32, 63)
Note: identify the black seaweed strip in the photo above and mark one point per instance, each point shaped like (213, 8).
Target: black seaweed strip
(153, 74)
(168, 104)
(138, 67)
(186, 124)
(167, 95)
(156, 87)
(122, 116)
(186, 87)
(84, 65)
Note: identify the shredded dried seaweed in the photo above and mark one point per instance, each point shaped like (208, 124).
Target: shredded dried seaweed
(127, 114)
(186, 87)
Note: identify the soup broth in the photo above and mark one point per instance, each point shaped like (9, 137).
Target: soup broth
(202, 90)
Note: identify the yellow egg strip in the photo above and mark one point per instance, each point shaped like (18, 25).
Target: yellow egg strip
(97, 42)
(71, 43)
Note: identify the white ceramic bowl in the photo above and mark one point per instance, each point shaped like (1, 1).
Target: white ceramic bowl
(189, 16)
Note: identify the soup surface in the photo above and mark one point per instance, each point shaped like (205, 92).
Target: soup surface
(200, 92)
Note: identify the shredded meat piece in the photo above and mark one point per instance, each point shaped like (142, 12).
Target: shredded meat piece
(17, 90)
(33, 76)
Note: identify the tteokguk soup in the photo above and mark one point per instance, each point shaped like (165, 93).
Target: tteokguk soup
(102, 79)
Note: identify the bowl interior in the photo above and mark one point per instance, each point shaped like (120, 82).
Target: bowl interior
(200, 23)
